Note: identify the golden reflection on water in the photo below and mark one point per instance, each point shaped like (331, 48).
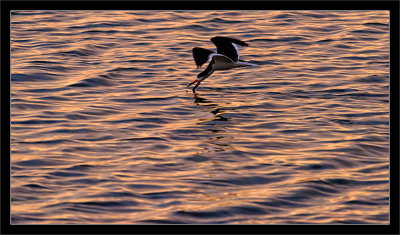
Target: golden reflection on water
(102, 124)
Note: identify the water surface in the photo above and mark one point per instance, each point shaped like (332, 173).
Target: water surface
(103, 130)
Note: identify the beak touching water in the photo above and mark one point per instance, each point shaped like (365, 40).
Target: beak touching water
(197, 84)
(192, 83)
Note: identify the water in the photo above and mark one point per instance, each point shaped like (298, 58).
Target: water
(103, 130)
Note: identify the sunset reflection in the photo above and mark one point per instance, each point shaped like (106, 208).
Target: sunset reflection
(104, 130)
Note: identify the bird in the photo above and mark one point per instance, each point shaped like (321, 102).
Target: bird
(226, 57)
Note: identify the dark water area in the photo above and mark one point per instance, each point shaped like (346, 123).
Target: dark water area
(103, 130)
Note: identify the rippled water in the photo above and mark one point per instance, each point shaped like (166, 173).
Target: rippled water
(103, 129)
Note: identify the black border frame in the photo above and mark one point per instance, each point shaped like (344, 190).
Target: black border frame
(8, 5)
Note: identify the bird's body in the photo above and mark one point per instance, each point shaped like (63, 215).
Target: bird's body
(226, 57)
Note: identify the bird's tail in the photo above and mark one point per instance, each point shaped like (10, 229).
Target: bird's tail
(242, 63)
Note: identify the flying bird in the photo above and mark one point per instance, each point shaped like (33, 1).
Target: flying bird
(226, 57)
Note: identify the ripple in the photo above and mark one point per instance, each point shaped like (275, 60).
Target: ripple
(65, 130)
(163, 195)
(367, 32)
(198, 158)
(29, 106)
(40, 162)
(36, 186)
(204, 214)
(317, 167)
(372, 79)
(281, 39)
(284, 16)
(81, 167)
(143, 99)
(222, 21)
(94, 204)
(162, 221)
(246, 181)
(115, 195)
(199, 27)
(146, 139)
(248, 210)
(101, 25)
(66, 174)
(77, 52)
(93, 82)
(36, 122)
(35, 77)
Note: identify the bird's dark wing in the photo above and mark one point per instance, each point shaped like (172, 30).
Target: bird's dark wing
(221, 58)
(201, 55)
(226, 46)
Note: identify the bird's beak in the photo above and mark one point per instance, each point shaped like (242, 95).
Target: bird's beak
(192, 83)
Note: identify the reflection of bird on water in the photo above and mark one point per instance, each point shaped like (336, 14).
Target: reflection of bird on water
(199, 100)
(226, 57)
(204, 102)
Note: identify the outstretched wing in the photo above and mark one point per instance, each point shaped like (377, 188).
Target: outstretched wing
(228, 46)
(201, 55)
